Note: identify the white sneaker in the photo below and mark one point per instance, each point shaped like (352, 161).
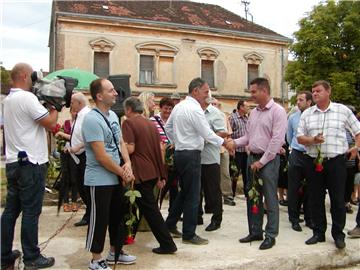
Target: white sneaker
(98, 265)
(122, 259)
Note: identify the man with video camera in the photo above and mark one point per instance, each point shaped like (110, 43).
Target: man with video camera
(25, 124)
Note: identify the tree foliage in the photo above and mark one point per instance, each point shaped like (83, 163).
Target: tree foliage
(327, 47)
(5, 80)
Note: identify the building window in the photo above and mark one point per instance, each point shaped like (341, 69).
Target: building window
(208, 57)
(101, 64)
(146, 69)
(207, 72)
(156, 65)
(253, 61)
(102, 48)
(253, 72)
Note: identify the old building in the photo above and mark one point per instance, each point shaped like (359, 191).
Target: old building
(162, 45)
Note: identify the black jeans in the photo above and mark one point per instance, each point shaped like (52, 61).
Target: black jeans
(331, 178)
(241, 164)
(188, 169)
(171, 186)
(25, 193)
(210, 185)
(68, 180)
(296, 175)
(79, 171)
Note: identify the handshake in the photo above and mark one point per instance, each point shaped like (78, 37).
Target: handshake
(229, 145)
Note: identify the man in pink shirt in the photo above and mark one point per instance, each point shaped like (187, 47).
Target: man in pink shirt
(264, 136)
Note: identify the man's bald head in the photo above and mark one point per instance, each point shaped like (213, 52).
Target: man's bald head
(21, 76)
(78, 101)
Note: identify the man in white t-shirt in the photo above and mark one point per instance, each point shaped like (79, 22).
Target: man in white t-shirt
(79, 105)
(25, 121)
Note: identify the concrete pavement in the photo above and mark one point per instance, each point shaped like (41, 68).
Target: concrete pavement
(223, 252)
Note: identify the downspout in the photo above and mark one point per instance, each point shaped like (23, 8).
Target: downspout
(282, 75)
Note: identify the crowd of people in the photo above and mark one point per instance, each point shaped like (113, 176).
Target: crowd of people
(185, 150)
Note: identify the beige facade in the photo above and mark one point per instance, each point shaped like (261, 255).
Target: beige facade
(177, 52)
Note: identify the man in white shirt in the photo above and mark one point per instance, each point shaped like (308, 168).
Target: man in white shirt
(187, 129)
(25, 121)
(79, 105)
(322, 129)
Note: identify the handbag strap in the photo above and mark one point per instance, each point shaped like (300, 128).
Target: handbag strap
(157, 118)
(108, 124)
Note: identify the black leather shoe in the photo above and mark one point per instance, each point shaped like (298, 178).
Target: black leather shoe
(40, 262)
(212, 227)
(160, 250)
(251, 238)
(196, 240)
(340, 243)
(296, 227)
(230, 202)
(82, 222)
(315, 239)
(269, 242)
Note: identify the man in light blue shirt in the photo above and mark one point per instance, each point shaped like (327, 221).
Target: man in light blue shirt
(210, 170)
(187, 129)
(104, 176)
(296, 169)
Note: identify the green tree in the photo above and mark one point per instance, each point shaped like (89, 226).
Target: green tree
(5, 80)
(327, 47)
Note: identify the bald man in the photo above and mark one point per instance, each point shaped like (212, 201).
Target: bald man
(25, 124)
(79, 105)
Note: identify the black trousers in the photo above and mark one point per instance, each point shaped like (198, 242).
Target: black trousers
(107, 209)
(68, 179)
(331, 178)
(296, 179)
(241, 164)
(78, 170)
(148, 207)
(210, 187)
(171, 186)
(349, 185)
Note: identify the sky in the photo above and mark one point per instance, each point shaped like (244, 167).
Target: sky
(24, 25)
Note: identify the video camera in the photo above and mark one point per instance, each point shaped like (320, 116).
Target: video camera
(56, 92)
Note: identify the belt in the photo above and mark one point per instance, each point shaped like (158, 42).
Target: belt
(326, 159)
(256, 154)
(302, 152)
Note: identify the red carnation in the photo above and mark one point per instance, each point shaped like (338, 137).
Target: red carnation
(255, 209)
(319, 167)
(129, 240)
(56, 129)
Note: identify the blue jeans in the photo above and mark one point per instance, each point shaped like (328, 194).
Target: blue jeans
(25, 192)
(188, 169)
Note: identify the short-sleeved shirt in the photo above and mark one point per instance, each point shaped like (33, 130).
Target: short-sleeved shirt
(22, 111)
(333, 123)
(211, 152)
(95, 129)
(147, 158)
